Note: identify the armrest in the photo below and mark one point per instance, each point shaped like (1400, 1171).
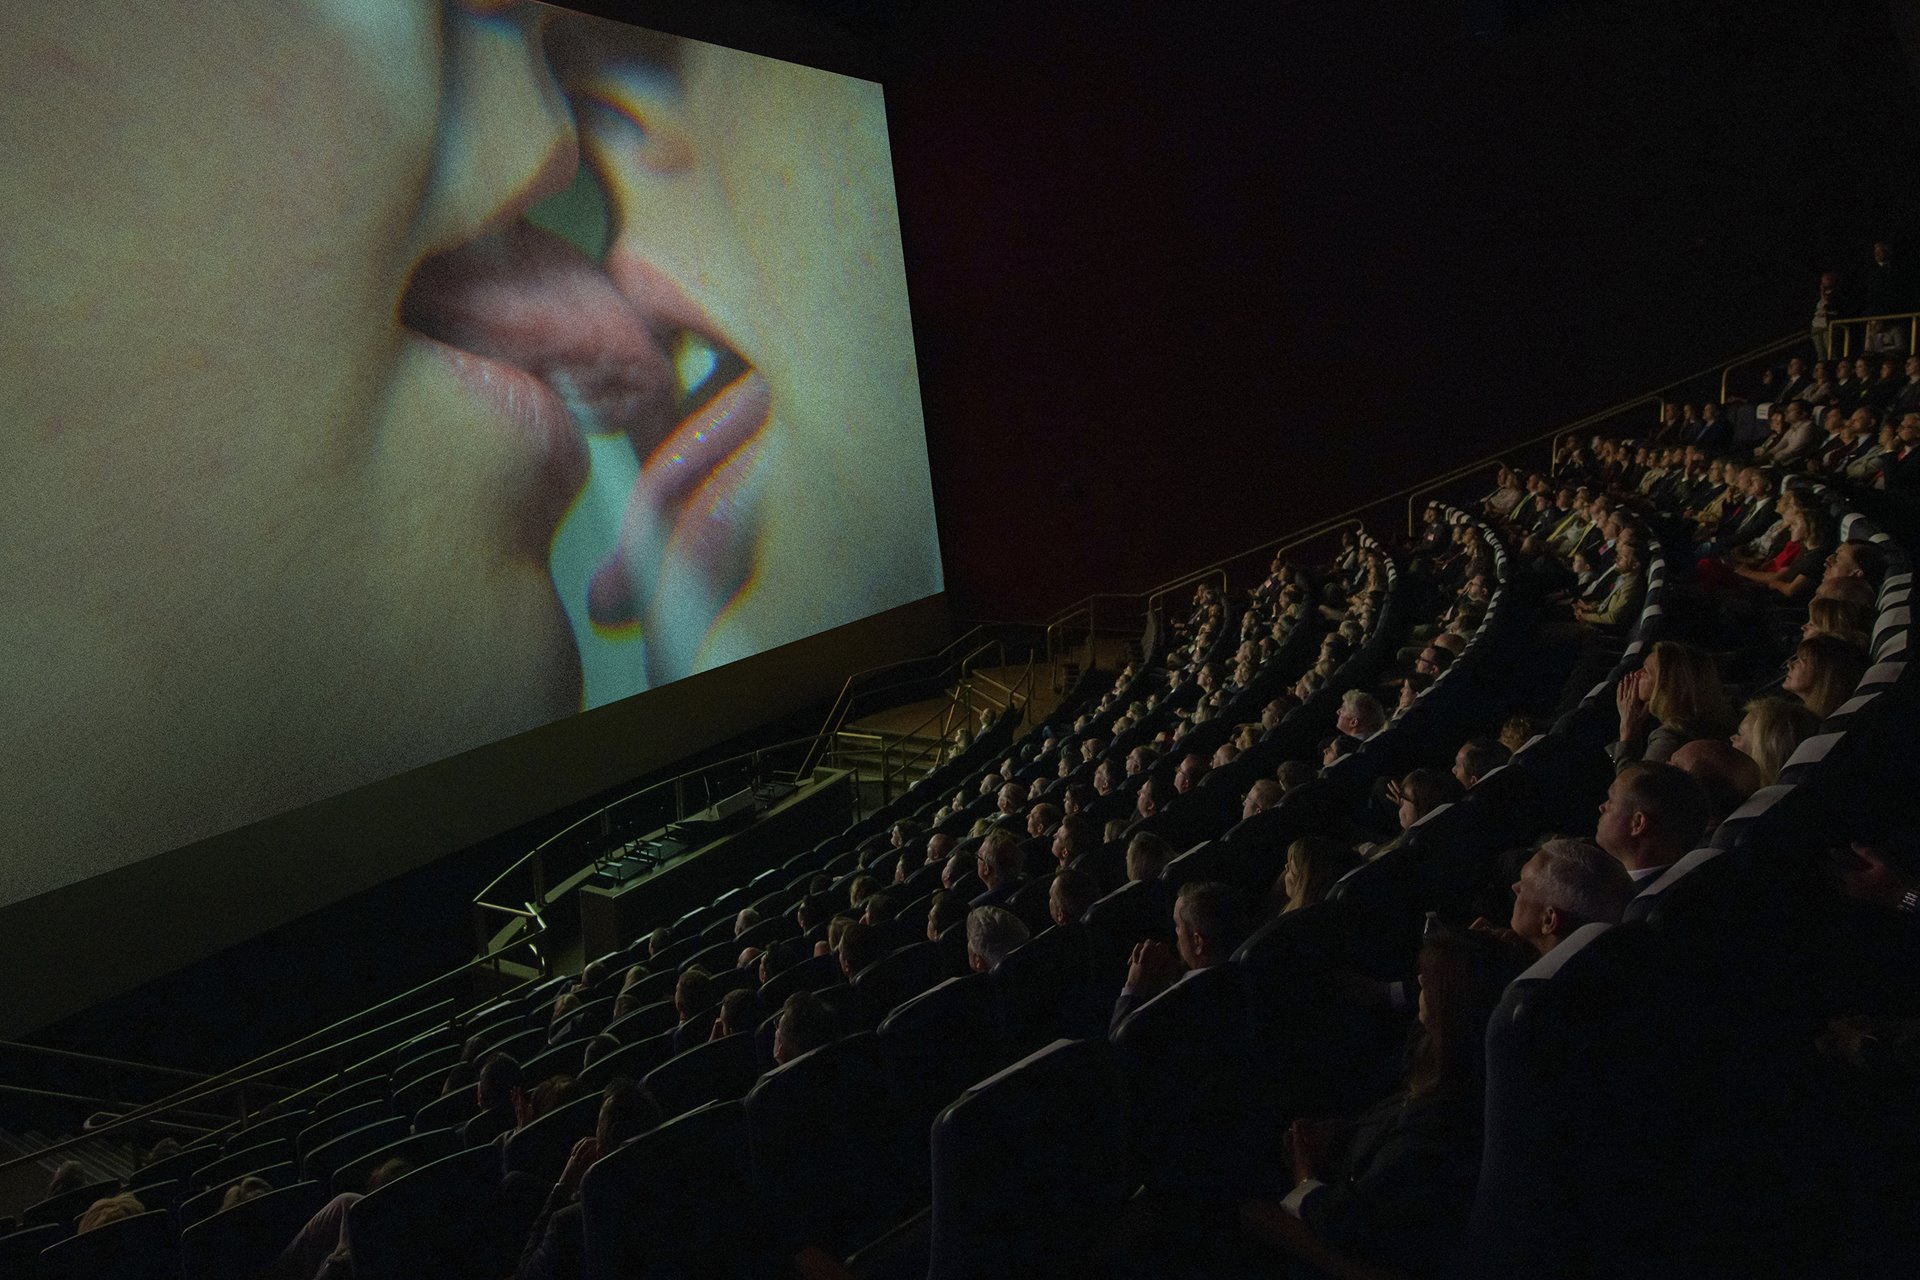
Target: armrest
(1275, 1227)
(814, 1263)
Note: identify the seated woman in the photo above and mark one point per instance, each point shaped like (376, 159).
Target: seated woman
(1395, 1184)
(1769, 732)
(1850, 620)
(1314, 864)
(1795, 571)
(1823, 671)
(1674, 696)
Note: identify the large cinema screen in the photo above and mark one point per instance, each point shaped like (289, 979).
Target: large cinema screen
(385, 379)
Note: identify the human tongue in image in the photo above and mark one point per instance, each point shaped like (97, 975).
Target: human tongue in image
(688, 540)
(627, 351)
(526, 297)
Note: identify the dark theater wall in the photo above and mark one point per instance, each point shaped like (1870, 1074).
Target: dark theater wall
(1186, 276)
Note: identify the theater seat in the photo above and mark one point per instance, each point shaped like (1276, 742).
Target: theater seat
(541, 1148)
(143, 1247)
(230, 1168)
(828, 1148)
(940, 1042)
(321, 1162)
(674, 1201)
(241, 1242)
(62, 1209)
(1201, 1129)
(633, 1060)
(20, 1250)
(1029, 1168)
(897, 978)
(1044, 990)
(716, 1071)
(1138, 910)
(431, 1222)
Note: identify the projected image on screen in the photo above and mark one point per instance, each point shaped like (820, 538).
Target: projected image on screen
(384, 380)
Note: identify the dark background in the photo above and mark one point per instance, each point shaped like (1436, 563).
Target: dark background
(1189, 275)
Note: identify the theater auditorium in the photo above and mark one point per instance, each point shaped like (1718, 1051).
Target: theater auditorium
(812, 639)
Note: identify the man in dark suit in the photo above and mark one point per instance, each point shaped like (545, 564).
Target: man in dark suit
(500, 1096)
(1207, 929)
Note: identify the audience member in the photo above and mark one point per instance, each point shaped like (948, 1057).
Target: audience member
(1675, 696)
(1823, 673)
(1566, 884)
(993, 933)
(1770, 731)
(1207, 930)
(1726, 775)
(806, 1023)
(500, 1096)
(1653, 816)
(556, 1246)
(1394, 1186)
(1314, 865)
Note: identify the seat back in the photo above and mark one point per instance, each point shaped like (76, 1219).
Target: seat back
(448, 1110)
(716, 1071)
(320, 1163)
(417, 1149)
(670, 1201)
(1029, 1167)
(62, 1209)
(634, 1060)
(327, 1128)
(829, 1163)
(1117, 923)
(428, 1222)
(243, 1242)
(541, 1148)
(20, 1250)
(143, 1247)
(1045, 990)
(938, 1043)
(1199, 1122)
(231, 1168)
(897, 978)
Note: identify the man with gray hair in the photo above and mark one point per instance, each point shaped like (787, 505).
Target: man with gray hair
(993, 933)
(1361, 715)
(1567, 884)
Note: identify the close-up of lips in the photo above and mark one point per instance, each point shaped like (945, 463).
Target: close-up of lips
(568, 349)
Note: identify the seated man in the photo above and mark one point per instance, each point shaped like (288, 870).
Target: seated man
(1361, 715)
(1073, 891)
(1652, 817)
(556, 1247)
(1261, 796)
(1477, 758)
(1002, 868)
(499, 1092)
(1566, 884)
(1208, 926)
(806, 1023)
(993, 933)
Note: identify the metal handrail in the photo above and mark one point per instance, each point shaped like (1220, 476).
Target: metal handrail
(252, 1071)
(1913, 329)
(74, 1055)
(1655, 397)
(534, 860)
(837, 713)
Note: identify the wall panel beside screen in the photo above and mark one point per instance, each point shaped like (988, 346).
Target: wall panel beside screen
(412, 422)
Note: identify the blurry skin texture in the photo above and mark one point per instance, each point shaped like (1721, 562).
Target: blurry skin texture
(259, 542)
(750, 184)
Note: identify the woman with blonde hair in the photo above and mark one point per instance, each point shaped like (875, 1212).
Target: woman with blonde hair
(1771, 730)
(1675, 696)
(1850, 620)
(1823, 671)
(1313, 864)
